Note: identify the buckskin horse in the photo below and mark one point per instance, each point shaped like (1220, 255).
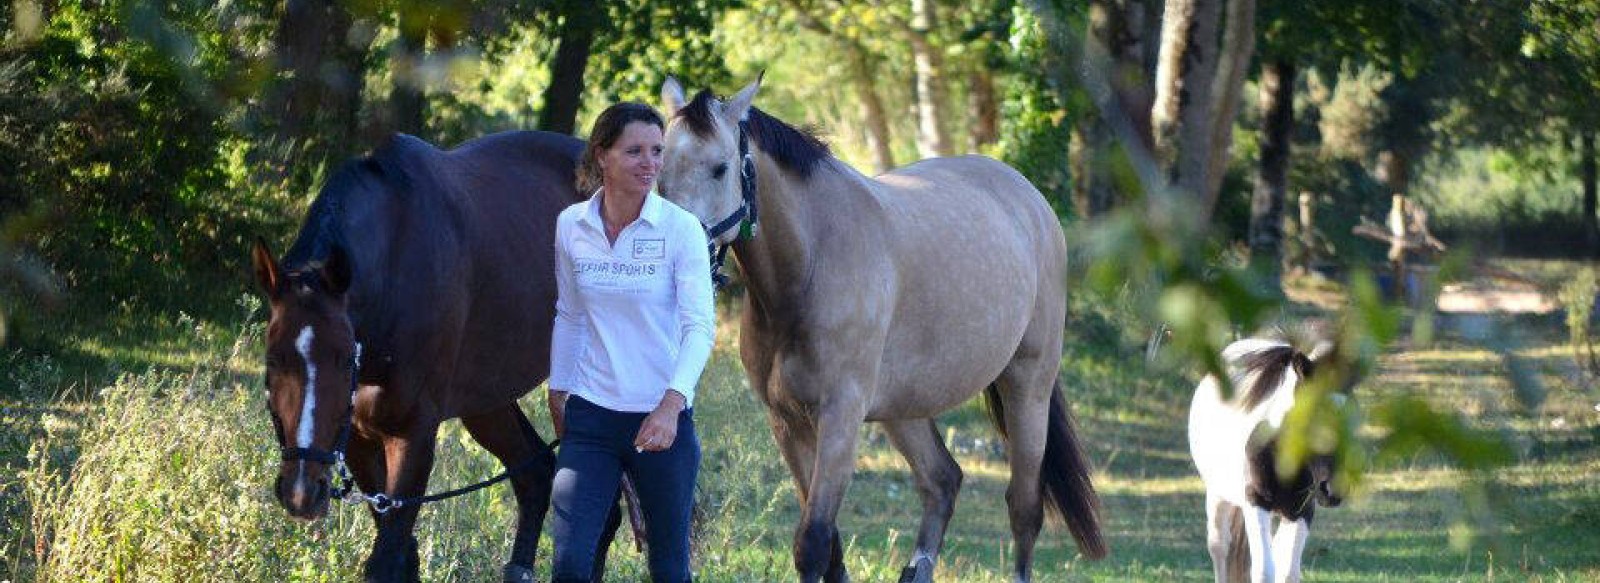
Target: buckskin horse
(419, 289)
(888, 299)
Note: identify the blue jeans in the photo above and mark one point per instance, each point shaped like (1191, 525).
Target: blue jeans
(596, 449)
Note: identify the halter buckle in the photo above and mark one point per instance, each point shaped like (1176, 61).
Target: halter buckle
(382, 503)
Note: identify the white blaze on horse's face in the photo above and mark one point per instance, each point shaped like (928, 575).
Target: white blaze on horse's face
(308, 405)
(701, 172)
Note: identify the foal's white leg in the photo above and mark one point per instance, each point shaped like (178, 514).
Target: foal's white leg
(1219, 534)
(1258, 531)
(1287, 545)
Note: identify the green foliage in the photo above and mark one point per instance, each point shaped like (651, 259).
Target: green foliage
(652, 39)
(1337, 111)
(112, 122)
(1505, 201)
(1040, 111)
(1036, 139)
(1321, 34)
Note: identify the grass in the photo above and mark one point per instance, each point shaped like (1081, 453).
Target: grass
(163, 474)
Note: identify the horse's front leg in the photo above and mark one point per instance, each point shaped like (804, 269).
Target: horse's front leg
(409, 460)
(1258, 534)
(1288, 543)
(817, 553)
(364, 457)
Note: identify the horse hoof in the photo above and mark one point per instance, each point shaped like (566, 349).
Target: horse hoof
(907, 575)
(922, 572)
(518, 574)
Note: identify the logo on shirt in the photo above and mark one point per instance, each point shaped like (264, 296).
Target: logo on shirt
(649, 248)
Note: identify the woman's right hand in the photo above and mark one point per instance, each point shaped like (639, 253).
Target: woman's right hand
(558, 411)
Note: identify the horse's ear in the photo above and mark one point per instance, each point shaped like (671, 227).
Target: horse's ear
(336, 271)
(739, 107)
(671, 97)
(268, 276)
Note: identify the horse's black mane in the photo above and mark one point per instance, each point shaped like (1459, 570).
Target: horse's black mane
(382, 171)
(795, 150)
(321, 231)
(1269, 366)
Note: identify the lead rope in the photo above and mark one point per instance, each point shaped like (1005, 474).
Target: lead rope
(349, 492)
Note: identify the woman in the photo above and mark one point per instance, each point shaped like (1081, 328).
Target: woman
(634, 323)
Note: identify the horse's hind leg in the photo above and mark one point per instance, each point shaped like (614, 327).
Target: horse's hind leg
(507, 434)
(1025, 414)
(938, 481)
(1223, 520)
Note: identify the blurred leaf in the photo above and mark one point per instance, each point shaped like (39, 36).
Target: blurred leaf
(1413, 426)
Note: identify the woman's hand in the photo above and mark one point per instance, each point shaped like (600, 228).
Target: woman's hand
(660, 427)
(558, 411)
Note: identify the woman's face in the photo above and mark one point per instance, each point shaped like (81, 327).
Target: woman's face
(631, 164)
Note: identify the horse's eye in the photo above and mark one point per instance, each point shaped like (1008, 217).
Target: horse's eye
(719, 170)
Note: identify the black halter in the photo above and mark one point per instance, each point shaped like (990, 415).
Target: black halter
(335, 455)
(746, 218)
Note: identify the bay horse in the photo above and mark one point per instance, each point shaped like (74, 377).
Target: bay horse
(1234, 445)
(888, 299)
(420, 288)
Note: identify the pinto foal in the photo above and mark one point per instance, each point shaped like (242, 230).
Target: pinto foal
(1234, 444)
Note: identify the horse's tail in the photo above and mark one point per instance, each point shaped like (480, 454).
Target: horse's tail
(1238, 567)
(1064, 473)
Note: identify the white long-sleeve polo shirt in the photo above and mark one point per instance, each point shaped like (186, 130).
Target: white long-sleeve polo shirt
(635, 318)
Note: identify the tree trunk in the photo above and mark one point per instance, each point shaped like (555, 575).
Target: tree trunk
(301, 41)
(317, 107)
(932, 137)
(1092, 152)
(1267, 202)
(1116, 46)
(1078, 164)
(1588, 171)
(985, 108)
(346, 80)
(1117, 29)
(1308, 233)
(564, 95)
(866, 88)
(406, 100)
(1182, 114)
(1394, 171)
(1238, 42)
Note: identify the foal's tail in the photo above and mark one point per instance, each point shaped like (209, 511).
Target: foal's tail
(1064, 473)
